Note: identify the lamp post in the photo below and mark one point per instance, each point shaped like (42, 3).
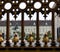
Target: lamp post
(7, 22)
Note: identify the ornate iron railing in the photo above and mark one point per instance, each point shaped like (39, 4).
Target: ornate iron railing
(16, 8)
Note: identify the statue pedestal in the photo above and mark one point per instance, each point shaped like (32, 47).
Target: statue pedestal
(22, 43)
(45, 44)
(15, 44)
(53, 44)
(7, 43)
(37, 43)
(0, 43)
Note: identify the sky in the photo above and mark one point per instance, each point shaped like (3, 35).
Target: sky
(25, 15)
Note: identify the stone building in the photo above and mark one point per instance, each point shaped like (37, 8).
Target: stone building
(29, 26)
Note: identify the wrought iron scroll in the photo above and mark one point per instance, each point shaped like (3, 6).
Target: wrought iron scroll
(16, 10)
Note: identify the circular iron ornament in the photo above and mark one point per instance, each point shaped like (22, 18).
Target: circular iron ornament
(8, 6)
(37, 5)
(52, 5)
(22, 5)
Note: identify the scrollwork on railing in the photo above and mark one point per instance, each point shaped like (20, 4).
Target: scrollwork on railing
(15, 7)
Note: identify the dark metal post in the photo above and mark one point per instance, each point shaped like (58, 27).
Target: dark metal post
(22, 30)
(53, 30)
(37, 30)
(7, 30)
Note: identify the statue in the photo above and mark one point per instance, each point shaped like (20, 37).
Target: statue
(45, 39)
(30, 39)
(15, 39)
(1, 39)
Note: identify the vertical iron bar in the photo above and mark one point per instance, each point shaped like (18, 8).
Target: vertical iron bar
(22, 30)
(37, 30)
(7, 30)
(53, 30)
